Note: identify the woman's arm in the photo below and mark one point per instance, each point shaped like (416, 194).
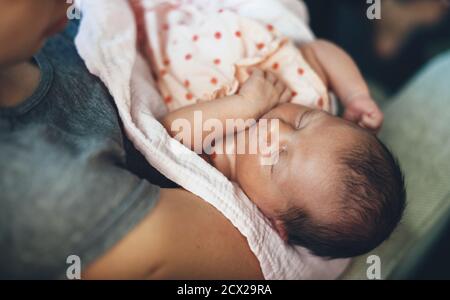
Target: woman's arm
(182, 238)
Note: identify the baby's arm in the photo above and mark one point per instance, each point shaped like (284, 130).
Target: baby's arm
(341, 74)
(259, 94)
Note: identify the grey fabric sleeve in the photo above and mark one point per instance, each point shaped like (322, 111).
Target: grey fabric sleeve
(58, 202)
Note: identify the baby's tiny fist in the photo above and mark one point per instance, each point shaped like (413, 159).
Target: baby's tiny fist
(365, 112)
(264, 90)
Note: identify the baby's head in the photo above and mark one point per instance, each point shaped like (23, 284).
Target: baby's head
(334, 189)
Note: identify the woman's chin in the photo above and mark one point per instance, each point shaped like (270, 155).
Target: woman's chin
(56, 27)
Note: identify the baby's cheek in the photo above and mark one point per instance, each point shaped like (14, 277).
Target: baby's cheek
(249, 175)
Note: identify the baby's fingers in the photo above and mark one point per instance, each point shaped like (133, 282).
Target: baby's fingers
(255, 72)
(272, 78)
(280, 87)
(372, 121)
(352, 116)
(286, 96)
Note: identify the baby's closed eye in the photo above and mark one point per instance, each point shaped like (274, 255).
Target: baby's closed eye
(302, 120)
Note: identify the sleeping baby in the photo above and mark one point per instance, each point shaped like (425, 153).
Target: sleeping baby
(333, 187)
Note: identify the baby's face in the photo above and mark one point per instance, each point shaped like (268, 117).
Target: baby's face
(305, 173)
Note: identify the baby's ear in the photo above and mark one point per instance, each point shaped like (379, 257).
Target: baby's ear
(281, 229)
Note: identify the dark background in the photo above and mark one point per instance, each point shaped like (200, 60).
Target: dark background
(345, 23)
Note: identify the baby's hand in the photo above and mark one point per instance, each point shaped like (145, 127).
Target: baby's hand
(264, 91)
(365, 112)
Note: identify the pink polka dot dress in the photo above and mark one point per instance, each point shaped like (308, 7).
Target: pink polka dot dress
(202, 50)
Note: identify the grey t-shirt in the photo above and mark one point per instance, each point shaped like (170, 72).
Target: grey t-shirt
(66, 180)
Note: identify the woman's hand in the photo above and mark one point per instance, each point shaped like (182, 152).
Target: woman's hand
(363, 111)
(264, 91)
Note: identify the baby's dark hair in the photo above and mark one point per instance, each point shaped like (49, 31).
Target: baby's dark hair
(372, 201)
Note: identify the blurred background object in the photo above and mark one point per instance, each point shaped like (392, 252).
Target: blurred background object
(390, 51)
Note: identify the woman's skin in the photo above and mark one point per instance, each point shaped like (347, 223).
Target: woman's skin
(24, 26)
(183, 237)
